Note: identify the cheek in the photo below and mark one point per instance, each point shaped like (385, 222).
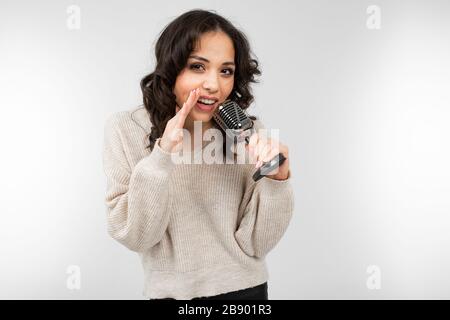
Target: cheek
(228, 86)
(186, 82)
(183, 85)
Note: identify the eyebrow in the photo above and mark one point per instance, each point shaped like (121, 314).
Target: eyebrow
(206, 60)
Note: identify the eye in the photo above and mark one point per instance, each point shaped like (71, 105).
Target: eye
(198, 66)
(231, 71)
(195, 66)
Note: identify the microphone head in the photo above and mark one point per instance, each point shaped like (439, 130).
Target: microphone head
(233, 120)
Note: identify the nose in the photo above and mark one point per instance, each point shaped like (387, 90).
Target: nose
(211, 83)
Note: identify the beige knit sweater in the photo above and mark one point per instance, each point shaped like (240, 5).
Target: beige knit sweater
(199, 229)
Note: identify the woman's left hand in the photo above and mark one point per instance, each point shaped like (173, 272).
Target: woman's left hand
(263, 149)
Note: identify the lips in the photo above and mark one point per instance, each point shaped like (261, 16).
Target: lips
(206, 107)
(208, 98)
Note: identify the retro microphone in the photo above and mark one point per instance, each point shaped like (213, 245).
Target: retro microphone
(238, 125)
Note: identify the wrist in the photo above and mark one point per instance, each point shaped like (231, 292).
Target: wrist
(280, 177)
(162, 145)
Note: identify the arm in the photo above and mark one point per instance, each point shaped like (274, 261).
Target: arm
(268, 207)
(136, 199)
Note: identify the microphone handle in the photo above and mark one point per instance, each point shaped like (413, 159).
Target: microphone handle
(269, 166)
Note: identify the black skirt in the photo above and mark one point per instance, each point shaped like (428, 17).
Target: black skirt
(254, 293)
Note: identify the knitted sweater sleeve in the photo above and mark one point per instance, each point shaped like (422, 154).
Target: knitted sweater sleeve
(266, 215)
(136, 198)
(266, 210)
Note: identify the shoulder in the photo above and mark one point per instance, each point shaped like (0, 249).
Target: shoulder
(126, 132)
(136, 117)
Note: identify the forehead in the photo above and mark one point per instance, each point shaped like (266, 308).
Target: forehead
(215, 46)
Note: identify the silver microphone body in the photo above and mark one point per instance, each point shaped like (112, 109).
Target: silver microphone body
(239, 127)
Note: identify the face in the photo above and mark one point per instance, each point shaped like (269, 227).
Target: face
(211, 68)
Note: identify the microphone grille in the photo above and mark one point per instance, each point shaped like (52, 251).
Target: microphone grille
(230, 115)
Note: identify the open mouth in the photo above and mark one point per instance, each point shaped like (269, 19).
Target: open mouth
(206, 107)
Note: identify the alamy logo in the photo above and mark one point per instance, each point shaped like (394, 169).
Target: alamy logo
(212, 153)
(374, 280)
(73, 281)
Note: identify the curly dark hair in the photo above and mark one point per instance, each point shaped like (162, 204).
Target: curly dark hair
(173, 47)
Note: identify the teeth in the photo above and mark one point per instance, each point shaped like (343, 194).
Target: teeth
(206, 101)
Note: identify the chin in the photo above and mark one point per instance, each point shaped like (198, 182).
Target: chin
(202, 117)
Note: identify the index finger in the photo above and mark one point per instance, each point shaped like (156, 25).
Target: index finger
(187, 107)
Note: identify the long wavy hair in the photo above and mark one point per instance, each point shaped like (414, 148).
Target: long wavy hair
(173, 47)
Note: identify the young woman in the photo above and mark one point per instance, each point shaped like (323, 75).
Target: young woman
(202, 231)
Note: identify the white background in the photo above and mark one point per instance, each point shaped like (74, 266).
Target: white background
(365, 113)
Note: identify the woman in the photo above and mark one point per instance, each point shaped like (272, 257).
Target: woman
(202, 230)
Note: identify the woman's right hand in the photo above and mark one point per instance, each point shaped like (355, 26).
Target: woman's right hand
(172, 138)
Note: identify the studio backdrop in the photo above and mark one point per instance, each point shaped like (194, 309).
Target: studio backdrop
(359, 91)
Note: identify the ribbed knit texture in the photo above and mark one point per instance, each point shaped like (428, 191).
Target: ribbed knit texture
(199, 229)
